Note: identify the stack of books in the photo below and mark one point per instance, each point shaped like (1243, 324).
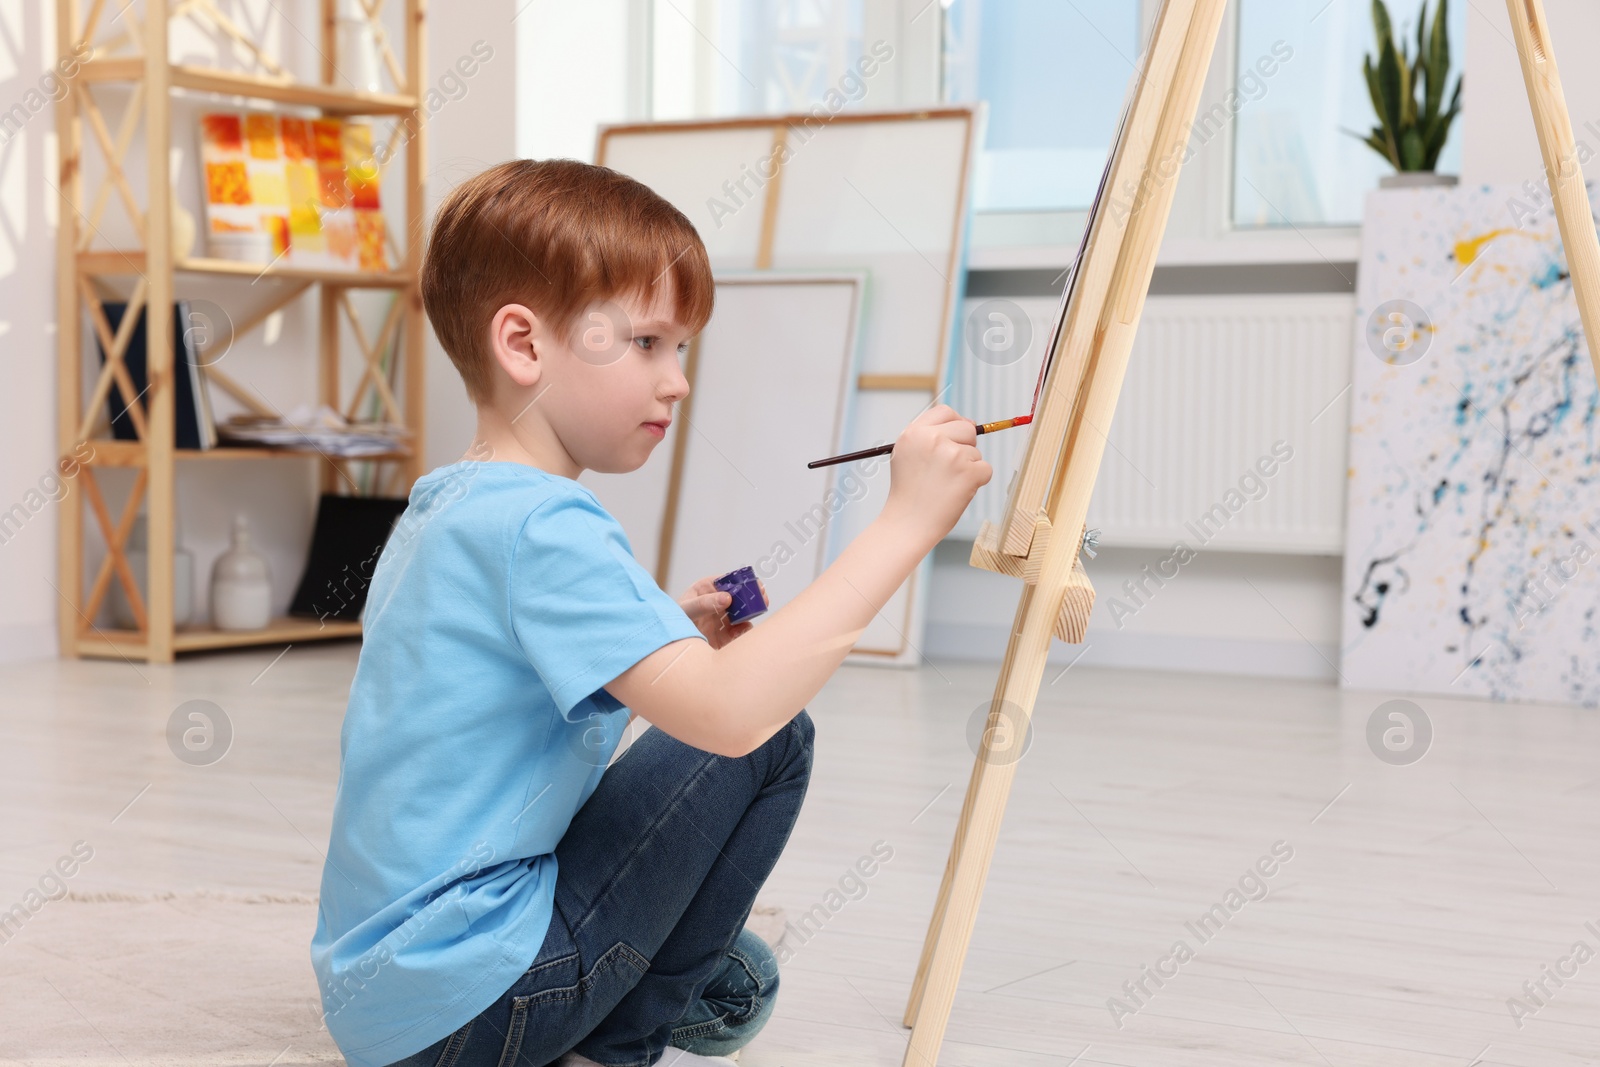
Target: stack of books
(319, 429)
(194, 425)
(303, 429)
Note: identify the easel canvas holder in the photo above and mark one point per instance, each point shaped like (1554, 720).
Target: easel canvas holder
(1038, 537)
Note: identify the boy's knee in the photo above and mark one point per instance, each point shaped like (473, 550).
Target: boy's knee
(802, 728)
(788, 751)
(798, 737)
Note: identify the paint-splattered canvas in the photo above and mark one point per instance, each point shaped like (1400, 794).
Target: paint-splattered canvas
(1472, 554)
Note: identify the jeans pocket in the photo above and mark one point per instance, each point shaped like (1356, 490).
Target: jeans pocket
(554, 1005)
(519, 1023)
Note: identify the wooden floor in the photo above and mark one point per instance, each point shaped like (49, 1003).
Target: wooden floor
(1418, 899)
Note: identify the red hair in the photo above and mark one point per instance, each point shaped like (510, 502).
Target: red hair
(557, 236)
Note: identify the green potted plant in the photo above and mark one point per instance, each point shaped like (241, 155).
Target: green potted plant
(1411, 131)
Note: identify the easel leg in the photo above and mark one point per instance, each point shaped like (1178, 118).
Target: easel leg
(1018, 687)
(1569, 194)
(931, 939)
(983, 760)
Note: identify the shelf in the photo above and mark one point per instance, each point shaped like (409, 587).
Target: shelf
(113, 453)
(362, 279)
(327, 99)
(389, 336)
(132, 261)
(115, 644)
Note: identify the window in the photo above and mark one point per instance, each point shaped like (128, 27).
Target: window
(1054, 73)
(1294, 164)
(585, 64)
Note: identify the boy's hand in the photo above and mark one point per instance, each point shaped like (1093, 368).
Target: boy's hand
(707, 608)
(934, 472)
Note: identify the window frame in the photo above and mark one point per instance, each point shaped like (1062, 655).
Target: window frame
(1201, 229)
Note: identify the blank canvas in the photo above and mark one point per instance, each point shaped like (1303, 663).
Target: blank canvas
(883, 193)
(770, 393)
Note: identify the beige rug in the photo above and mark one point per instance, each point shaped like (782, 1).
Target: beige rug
(175, 980)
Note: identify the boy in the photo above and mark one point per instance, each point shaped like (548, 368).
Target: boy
(493, 892)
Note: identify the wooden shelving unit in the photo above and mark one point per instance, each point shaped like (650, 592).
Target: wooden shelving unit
(85, 268)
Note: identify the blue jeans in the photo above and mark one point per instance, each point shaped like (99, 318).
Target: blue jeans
(655, 880)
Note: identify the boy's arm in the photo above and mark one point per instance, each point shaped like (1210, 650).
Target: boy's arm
(729, 701)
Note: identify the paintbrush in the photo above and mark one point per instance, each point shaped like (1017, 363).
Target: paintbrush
(884, 450)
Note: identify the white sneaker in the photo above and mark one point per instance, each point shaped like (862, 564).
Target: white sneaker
(673, 1057)
(677, 1057)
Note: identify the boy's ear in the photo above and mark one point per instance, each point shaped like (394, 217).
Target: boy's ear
(516, 337)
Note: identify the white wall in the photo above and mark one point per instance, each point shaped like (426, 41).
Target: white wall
(1499, 144)
(578, 87)
(473, 133)
(27, 338)
(1211, 618)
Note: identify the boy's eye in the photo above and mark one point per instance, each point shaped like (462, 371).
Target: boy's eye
(648, 342)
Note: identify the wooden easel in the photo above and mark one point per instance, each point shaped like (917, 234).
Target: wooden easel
(1039, 536)
(1568, 192)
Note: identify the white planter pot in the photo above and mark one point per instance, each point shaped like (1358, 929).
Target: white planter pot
(241, 247)
(1417, 179)
(138, 561)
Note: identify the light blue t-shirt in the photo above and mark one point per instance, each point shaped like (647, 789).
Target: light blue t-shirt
(503, 600)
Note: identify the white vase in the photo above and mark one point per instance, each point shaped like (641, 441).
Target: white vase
(241, 584)
(183, 231)
(358, 48)
(136, 549)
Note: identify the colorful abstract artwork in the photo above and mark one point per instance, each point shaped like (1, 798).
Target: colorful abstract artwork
(1472, 551)
(1472, 554)
(310, 184)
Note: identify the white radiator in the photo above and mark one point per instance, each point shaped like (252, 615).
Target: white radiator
(1214, 383)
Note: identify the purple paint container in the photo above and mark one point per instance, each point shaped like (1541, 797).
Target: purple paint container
(746, 592)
